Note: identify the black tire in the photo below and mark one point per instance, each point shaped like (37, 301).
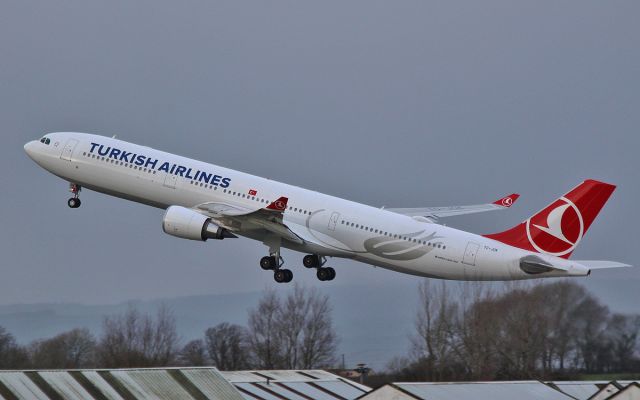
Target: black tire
(268, 262)
(311, 261)
(332, 273)
(323, 274)
(289, 275)
(73, 202)
(280, 275)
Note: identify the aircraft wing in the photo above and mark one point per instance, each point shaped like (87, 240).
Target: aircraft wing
(441, 212)
(236, 218)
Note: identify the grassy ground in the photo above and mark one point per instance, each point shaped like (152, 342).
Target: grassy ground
(610, 377)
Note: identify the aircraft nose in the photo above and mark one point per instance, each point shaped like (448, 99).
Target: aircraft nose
(29, 148)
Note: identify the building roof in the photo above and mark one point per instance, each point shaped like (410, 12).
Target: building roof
(294, 384)
(521, 390)
(580, 390)
(198, 383)
(117, 384)
(607, 391)
(630, 392)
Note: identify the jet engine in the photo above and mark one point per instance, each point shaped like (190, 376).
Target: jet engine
(188, 224)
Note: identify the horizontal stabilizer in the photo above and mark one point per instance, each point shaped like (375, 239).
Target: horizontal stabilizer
(601, 264)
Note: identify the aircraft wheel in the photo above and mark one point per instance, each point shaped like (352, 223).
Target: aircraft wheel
(311, 261)
(323, 274)
(281, 275)
(268, 262)
(74, 202)
(332, 273)
(289, 275)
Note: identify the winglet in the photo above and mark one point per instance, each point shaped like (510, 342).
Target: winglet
(278, 205)
(507, 201)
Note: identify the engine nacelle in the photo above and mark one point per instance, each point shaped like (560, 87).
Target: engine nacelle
(188, 224)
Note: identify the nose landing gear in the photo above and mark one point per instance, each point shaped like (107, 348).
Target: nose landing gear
(316, 261)
(74, 202)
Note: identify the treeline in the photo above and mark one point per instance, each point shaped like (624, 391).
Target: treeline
(522, 331)
(467, 331)
(281, 333)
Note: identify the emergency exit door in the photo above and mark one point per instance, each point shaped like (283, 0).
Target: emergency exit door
(170, 181)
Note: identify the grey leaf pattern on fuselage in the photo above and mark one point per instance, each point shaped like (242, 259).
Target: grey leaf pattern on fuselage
(400, 249)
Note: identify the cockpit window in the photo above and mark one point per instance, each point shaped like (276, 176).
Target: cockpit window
(45, 140)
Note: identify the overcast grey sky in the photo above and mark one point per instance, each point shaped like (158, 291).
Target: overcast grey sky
(397, 103)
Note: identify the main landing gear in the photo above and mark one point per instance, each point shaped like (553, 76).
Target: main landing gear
(74, 202)
(274, 262)
(315, 261)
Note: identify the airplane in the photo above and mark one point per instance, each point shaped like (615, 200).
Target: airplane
(205, 201)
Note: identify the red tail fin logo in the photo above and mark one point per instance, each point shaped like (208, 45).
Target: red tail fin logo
(558, 228)
(561, 220)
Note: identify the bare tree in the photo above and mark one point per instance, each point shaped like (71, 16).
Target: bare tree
(591, 318)
(12, 356)
(227, 346)
(434, 343)
(294, 333)
(622, 332)
(73, 349)
(193, 354)
(291, 318)
(264, 335)
(133, 339)
(526, 331)
(319, 341)
(476, 335)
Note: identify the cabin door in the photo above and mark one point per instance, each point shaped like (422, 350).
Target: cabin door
(470, 253)
(67, 151)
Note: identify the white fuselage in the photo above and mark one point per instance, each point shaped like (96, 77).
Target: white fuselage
(333, 226)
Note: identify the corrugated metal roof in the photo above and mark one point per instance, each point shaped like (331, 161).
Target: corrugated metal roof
(177, 383)
(211, 383)
(521, 390)
(151, 384)
(63, 383)
(21, 386)
(103, 386)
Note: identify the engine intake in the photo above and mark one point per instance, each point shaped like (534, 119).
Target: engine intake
(185, 223)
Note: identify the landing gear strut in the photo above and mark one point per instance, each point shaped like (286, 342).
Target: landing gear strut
(315, 261)
(74, 202)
